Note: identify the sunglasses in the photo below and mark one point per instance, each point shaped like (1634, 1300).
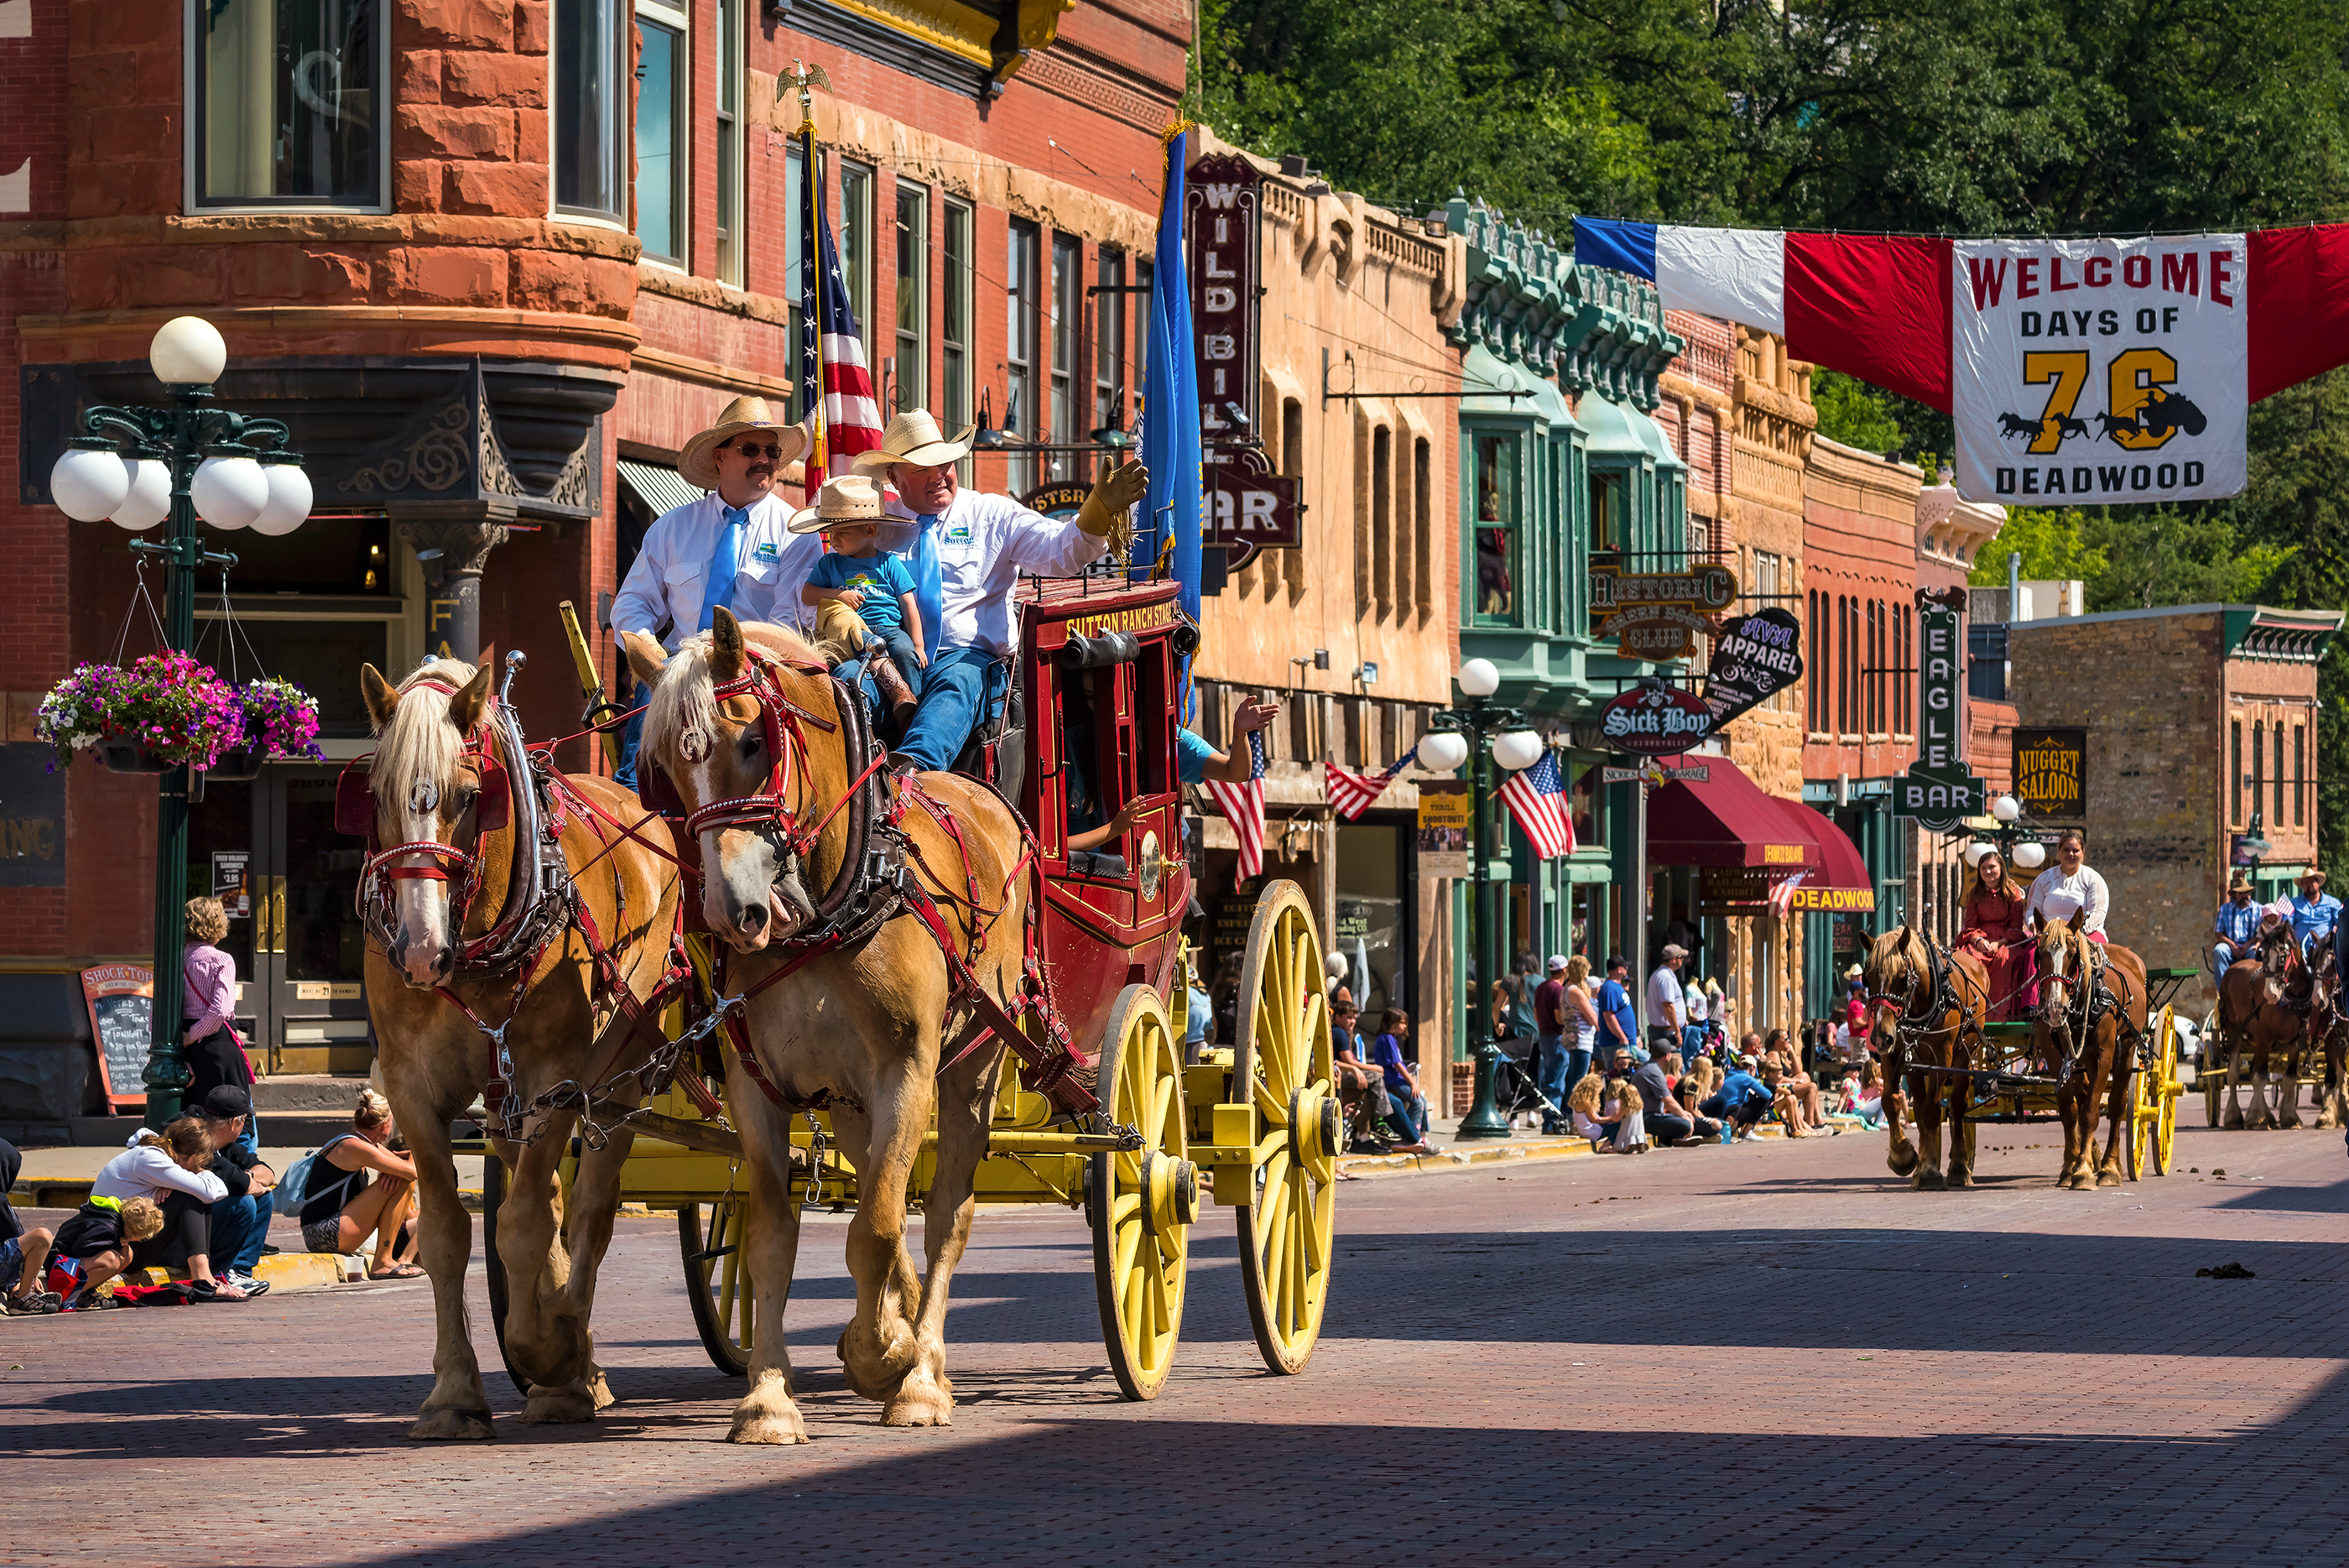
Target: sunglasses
(772, 449)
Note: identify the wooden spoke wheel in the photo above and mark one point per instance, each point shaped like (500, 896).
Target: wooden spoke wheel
(1141, 1204)
(717, 1284)
(2152, 1103)
(2210, 1070)
(494, 1197)
(1287, 1227)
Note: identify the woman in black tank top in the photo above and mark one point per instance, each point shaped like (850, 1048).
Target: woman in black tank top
(342, 1205)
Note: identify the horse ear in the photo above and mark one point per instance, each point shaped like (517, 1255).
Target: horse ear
(465, 707)
(382, 699)
(726, 647)
(646, 659)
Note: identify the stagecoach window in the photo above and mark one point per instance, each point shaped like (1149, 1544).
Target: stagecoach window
(289, 103)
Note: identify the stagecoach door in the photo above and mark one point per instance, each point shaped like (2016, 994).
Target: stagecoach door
(270, 851)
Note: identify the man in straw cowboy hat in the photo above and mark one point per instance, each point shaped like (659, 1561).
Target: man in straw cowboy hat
(966, 552)
(2237, 926)
(732, 547)
(861, 592)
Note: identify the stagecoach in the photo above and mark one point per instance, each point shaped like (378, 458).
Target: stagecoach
(1254, 1127)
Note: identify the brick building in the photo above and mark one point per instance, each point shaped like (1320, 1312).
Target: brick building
(2200, 729)
(492, 263)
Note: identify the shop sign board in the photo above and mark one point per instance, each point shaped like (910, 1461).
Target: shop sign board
(1658, 615)
(1938, 789)
(1221, 254)
(1694, 772)
(1446, 817)
(2050, 774)
(1655, 721)
(1249, 507)
(1755, 658)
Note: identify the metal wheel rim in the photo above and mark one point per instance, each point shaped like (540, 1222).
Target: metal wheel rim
(717, 1288)
(1140, 1267)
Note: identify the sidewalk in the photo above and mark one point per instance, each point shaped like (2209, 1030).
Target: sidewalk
(1458, 1154)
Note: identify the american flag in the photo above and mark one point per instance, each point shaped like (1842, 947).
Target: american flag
(1243, 804)
(1782, 897)
(1537, 798)
(1352, 792)
(833, 378)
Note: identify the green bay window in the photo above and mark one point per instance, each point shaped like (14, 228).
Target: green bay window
(1496, 498)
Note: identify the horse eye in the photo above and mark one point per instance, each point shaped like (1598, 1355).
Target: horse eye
(749, 742)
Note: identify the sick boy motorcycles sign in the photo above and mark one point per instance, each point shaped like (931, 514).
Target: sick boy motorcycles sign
(2093, 372)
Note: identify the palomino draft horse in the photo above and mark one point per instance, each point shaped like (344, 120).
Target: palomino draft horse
(2088, 993)
(496, 890)
(814, 865)
(1926, 1007)
(2275, 1004)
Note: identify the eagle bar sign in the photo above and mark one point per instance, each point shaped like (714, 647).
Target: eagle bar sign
(2051, 773)
(1939, 790)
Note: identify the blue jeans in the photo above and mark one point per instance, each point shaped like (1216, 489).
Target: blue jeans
(959, 691)
(1557, 1072)
(2222, 958)
(1410, 1112)
(240, 1226)
(633, 735)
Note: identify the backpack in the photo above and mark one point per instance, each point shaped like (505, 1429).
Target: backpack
(293, 1190)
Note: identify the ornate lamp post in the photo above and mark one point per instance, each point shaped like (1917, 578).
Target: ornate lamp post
(1470, 732)
(138, 466)
(2023, 854)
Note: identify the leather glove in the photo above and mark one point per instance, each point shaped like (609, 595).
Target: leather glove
(1107, 513)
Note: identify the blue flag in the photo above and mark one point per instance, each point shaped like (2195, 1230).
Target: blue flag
(1170, 402)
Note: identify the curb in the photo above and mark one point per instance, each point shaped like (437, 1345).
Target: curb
(283, 1271)
(1451, 1160)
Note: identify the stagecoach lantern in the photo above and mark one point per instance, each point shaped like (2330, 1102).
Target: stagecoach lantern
(1441, 750)
(1517, 750)
(187, 351)
(149, 500)
(2006, 808)
(2030, 855)
(89, 480)
(1479, 678)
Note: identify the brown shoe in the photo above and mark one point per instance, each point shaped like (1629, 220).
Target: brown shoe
(894, 690)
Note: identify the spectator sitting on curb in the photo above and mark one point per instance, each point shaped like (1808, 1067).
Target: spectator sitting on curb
(1698, 1083)
(24, 1252)
(1670, 1120)
(1621, 1107)
(1410, 1111)
(1582, 1105)
(1863, 1096)
(1785, 1100)
(97, 1242)
(340, 1206)
(174, 1168)
(241, 1219)
(1361, 1087)
(1792, 1079)
(1742, 1099)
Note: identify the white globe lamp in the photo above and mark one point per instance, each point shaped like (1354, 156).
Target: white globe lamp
(288, 506)
(149, 500)
(1974, 853)
(188, 351)
(2006, 808)
(2031, 854)
(1517, 750)
(89, 480)
(1479, 678)
(230, 492)
(1441, 750)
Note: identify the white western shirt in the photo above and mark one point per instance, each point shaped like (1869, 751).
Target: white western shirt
(2056, 897)
(671, 575)
(984, 542)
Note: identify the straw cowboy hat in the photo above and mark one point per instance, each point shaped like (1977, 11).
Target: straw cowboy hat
(851, 498)
(914, 437)
(698, 464)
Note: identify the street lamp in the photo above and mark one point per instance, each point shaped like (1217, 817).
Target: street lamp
(138, 466)
(1466, 733)
(2023, 854)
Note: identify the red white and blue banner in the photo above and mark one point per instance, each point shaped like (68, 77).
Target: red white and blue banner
(2179, 333)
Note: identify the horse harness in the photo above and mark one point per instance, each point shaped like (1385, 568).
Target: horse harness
(1921, 1006)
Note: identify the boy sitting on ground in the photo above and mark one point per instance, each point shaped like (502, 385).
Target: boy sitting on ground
(99, 1239)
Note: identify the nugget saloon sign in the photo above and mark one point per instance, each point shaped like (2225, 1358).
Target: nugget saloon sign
(1657, 616)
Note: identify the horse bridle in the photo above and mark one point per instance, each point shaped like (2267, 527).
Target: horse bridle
(1919, 1007)
(444, 862)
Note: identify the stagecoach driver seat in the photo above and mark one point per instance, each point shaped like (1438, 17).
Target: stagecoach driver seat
(734, 548)
(966, 552)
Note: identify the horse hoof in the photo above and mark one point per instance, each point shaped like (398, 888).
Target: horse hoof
(758, 1419)
(2078, 1181)
(599, 1390)
(453, 1426)
(1928, 1180)
(2108, 1178)
(1901, 1161)
(563, 1408)
(918, 1408)
(1961, 1179)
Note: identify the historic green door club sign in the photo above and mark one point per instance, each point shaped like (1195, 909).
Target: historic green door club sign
(1939, 790)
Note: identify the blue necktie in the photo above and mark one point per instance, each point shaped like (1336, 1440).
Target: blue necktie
(724, 562)
(929, 593)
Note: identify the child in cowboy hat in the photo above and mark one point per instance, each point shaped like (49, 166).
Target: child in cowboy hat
(861, 591)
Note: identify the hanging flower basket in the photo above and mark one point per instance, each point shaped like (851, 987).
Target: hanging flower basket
(281, 721)
(238, 765)
(167, 711)
(120, 756)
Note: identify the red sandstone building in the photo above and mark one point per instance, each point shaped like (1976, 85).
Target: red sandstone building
(492, 262)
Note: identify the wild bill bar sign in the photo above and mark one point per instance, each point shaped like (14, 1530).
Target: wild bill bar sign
(1939, 790)
(2050, 774)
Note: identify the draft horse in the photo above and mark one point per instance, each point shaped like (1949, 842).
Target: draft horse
(2276, 1005)
(875, 922)
(2089, 993)
(516, 928)
(1926, 1008)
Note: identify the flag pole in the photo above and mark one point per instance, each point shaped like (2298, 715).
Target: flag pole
(806, 78)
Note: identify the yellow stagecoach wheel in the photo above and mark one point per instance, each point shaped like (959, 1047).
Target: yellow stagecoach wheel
(2211, 1069)
(716, 1285)
(1281, 1060)
(2166, 1085)
(1142, 1203)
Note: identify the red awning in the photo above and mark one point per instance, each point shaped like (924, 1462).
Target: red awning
(1841, 882)
(1726, 820)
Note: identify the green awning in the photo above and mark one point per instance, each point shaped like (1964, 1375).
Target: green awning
(658, 488)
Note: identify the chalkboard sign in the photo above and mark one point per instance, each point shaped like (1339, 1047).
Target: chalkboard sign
(121, 998)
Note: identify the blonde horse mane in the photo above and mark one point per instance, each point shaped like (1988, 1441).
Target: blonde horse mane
(419, 743)
(681, 719)
(1901, 945)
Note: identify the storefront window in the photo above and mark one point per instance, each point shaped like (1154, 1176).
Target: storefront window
(1498, 526)
(289, 103)
(1584, 799)
(1371, 940)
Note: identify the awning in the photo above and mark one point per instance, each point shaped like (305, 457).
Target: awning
(1726, 820)
(1841, 883)
(658, 488)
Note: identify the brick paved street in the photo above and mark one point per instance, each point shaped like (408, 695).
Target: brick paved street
(1770, 1354)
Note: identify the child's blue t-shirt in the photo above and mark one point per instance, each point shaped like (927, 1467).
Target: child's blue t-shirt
(1386, 1053)
(881, 576)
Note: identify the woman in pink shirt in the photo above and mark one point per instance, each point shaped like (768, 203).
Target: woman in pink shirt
(208, 1002)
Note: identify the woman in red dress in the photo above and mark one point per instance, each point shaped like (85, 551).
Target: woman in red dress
(1991, 929)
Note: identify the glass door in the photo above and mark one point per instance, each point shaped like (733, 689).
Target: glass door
(311, 970)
